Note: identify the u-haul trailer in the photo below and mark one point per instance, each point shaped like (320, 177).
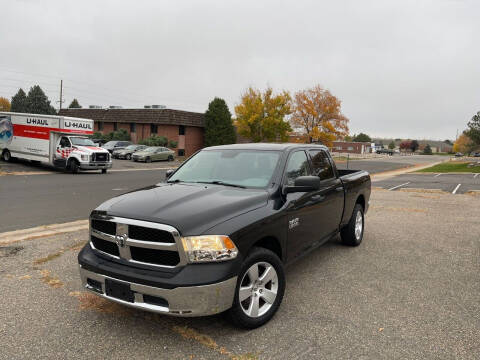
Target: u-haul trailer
(57, 140)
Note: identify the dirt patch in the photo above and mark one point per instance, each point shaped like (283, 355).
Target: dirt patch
(426, 196)
(43, 260)
(88, 301)
(426, 191)
(207, 341)
(6, 251)
(50, 280)
(401, 209)
(473, 193)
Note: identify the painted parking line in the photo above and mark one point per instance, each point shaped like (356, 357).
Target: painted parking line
(476, 175)
(396, 187)
(437, 175)
(455, 190)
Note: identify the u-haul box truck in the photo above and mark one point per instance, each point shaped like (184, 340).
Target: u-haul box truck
(58, 140)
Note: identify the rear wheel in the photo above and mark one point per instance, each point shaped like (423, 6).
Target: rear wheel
(352, 234)
(6, 156)
(148, 160)
(170, 158)
(259, 291)
(128, 156)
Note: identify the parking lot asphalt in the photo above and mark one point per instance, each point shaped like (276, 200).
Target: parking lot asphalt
(451, 183)
(409, 291)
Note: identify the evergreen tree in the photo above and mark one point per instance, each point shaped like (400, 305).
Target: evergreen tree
(37, 102)
(18, 103)
(414, 145)
(74, 104)
(474, 129)
(391, 146)
(427, 150)
(219, 128)
(362, 138)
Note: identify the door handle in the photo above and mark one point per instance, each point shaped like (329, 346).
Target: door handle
(318, 198)
(340, 188)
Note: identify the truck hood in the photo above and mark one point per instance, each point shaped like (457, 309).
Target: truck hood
(191, 208)
(89, 149)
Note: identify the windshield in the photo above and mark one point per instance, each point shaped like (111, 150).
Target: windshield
(110, 143)
(131, 147)
(245, 168)
(150, 149)
(81, 141)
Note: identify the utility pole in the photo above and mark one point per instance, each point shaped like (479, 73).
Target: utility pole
(61, 94)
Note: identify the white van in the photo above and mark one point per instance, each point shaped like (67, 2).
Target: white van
(57, 140)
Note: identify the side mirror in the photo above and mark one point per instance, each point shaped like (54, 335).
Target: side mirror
(169, 173)
(303, 184)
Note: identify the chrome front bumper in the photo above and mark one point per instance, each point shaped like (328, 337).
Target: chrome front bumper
(181, 301)
(95, 166)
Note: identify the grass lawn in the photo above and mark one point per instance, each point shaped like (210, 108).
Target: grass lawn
(447, 167)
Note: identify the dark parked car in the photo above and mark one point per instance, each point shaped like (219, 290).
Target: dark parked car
(385, 151)
(217, 235)
(475, 154)
(116, 145)
(128, 151)
(458, 154)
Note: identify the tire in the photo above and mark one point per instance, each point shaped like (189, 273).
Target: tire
(352, 234)
(6, 156)
(148, 160)
(261, 259)
(128, 156)
(104, 171)
(170, 158)
(74, 167)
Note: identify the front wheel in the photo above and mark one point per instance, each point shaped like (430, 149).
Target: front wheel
(170, 158)
(104, 171)
(352, 234)
(148, 160)
(74, 166)
(6, 156)
(259, 291)
(128, 156)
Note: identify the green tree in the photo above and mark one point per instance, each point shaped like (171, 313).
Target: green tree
(37, 102)
(19, 102)
(391, 146)
(74, 104)
(219, 128)
(427, 150)
(473, 131)
(154, 140)
(414, 145)
(4, 104)
(362, 138)
(261, 115)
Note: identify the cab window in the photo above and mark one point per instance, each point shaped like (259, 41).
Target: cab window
(321, 165)
(297, 166)
(64, 142)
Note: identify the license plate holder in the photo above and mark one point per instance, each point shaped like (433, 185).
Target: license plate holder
(119, 290)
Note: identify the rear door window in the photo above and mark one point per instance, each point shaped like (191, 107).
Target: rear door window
(321, 164)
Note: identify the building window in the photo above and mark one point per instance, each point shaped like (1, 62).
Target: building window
(181, 152)
(132, 127)
(350, 148)
(153, 128)
(115, 126)
(181, 130)
(100, 126)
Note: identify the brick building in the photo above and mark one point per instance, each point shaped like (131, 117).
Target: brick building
(351, 147)
(187, 128)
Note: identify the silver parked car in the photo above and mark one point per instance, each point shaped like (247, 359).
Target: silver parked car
(128, 151)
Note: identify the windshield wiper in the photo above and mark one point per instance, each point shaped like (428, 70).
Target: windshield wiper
(174, 181)
(219, 182)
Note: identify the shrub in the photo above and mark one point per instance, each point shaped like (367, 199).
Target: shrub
(154, 140)
(172, 144)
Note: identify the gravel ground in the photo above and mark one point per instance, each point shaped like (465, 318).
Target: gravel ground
(410, 291)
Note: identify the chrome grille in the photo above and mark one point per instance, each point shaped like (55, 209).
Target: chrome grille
(135, 241)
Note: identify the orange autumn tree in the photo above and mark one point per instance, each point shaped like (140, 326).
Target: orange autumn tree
(463, 144)
(319, 114)
(4, 104)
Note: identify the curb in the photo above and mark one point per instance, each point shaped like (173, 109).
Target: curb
(387, 174)
(42, 231)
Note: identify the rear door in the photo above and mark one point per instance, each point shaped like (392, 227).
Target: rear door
(330, 197)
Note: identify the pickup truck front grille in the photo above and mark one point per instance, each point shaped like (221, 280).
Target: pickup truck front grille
(103, 157)
(135, 241)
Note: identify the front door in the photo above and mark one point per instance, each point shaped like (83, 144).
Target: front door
(63, 150)
(300, 210)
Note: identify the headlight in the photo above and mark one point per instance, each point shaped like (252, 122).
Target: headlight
(209, 248)
(84, 157)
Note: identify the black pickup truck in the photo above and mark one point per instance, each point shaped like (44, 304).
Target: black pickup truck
(217, 234)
